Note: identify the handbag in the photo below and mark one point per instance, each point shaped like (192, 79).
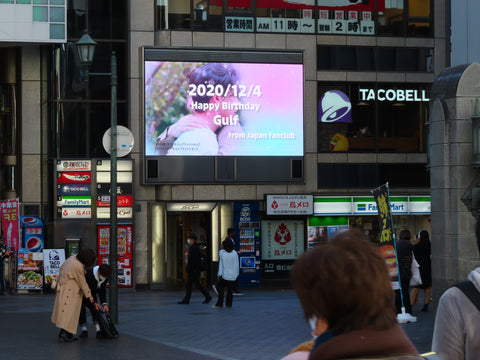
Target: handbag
(416, 279)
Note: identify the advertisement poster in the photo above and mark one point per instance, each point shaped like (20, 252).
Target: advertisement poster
(124, 251)
(234, 109)
(282, 243)
(10, 223)
(52, 260)
(387, 239)
(30, 270)
(32, 233)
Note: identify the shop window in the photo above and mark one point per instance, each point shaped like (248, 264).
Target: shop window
(406, 18)
(342, 176)
(371, 117)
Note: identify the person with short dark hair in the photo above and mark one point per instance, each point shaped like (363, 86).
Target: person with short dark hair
(194, 268)
(231, 237)
(228, 270)
(70, 290)
(457, 322)
(346, 295)
(97, 279)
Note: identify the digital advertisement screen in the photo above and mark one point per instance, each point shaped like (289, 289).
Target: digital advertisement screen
(218, 108)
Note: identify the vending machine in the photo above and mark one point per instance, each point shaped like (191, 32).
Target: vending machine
(247, 242)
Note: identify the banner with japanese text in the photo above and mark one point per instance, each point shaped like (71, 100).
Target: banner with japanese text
(387, 240)
(10, 222)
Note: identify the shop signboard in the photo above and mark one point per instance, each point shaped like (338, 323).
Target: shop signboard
(332, 205)
(74, 177)
(52, 260)
(122, 200)
(289, 204)
(365, 205)
(74, 213)
(74, 165)
(74, 189)
(122, 212)
(322, 229)
(124, 251)
(74, 201)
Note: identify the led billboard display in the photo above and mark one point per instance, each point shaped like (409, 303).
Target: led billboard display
(245, 106)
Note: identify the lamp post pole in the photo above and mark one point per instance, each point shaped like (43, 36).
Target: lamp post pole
(86, 50)
(113, 288)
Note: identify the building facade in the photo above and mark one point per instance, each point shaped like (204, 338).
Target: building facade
(373, 60)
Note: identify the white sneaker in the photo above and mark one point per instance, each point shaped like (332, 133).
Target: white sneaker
(405, 318)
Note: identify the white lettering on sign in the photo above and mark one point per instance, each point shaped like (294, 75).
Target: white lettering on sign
(393, 95)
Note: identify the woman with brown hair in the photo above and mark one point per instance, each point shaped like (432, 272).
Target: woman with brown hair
(347, 297)
(71, 288)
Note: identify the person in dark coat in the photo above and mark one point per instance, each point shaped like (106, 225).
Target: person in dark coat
(194, 268)
(404, 258)
(422, 251)
(97, 281)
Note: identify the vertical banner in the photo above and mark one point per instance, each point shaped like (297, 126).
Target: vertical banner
(10, 223)
(387, 241)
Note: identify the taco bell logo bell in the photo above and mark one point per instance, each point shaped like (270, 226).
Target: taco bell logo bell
(335, 107)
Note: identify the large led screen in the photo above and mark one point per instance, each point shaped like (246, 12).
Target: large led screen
(237, 107)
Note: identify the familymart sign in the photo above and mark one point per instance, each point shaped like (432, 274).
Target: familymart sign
(401, 205)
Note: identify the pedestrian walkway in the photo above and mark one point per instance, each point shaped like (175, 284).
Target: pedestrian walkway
(262, 324)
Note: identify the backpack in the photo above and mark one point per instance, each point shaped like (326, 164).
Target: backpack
(107, 326)
(471, 292)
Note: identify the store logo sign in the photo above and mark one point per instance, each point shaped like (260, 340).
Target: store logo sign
(393, 95)
(335, 106)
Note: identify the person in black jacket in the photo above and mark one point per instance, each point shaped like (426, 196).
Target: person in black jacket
(97, 281)
(194, 268)
(404, 258)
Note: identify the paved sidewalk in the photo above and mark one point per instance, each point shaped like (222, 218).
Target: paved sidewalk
(262, 324)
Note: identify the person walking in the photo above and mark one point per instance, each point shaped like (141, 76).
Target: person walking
(228, 270)
(70, 290)
(231, 237)
(404, 258)
(422, 250)
(97, 282)
(457, 322)
(194, 268)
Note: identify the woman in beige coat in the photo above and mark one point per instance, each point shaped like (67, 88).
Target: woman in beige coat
(71, 287)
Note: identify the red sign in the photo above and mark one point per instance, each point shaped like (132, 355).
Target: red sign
(10, 222)
(354, 5)
(74, 177)
(122, 200)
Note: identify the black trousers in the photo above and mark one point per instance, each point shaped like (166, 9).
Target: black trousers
(221, 285)
(406, 297)
(83, 312)
(194, 279)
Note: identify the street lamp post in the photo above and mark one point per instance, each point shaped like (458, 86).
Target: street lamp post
(86, 49)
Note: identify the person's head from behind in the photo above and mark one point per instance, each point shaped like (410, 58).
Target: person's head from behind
(220, 77)
(230, 232)
(86, 257)
(228, 245)
(423, 236)
(405, 235)
(104, 271)
(345, 283)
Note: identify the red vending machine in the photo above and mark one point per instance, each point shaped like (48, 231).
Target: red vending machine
(124, 252)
